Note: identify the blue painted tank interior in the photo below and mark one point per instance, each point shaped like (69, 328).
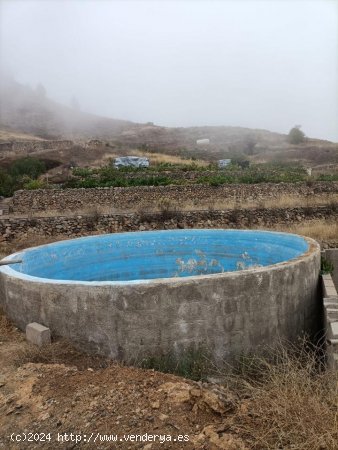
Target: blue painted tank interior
(158, 254)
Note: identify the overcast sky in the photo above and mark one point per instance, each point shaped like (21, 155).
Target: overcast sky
(261, 64)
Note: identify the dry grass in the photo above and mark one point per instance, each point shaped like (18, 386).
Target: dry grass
(286, 201)
(288, 404)
(29, 240)
(6, 328)
(157, 158)
(323, 230)
(59, 352)
(8, 135)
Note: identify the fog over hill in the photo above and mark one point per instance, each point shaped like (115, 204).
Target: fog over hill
(87, 140)
(27, 110)
(178, 63)
(31, 111)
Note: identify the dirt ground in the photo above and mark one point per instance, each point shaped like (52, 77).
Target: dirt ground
(56, 397)
(94, 398)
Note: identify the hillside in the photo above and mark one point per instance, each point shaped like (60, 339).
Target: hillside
(29, 115)
(30, 111)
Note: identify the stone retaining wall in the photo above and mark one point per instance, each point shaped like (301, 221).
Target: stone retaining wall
(6, 148)
(140, 196)
(78, 225)
(41, 145)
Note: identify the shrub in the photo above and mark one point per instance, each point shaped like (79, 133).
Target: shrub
(32, 167)
(296, 135)
(82, 172)
(34, 184)
(167, 209)
(7, 184)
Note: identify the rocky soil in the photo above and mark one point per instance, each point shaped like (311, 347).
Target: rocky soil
(69, 392)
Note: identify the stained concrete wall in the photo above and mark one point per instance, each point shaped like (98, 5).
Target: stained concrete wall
(229, 314)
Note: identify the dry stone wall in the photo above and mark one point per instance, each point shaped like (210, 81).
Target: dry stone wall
(41, 145)
(80, 225)
(135, 197)
(33, 146)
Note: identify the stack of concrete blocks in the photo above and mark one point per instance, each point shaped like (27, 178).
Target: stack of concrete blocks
(331, 312)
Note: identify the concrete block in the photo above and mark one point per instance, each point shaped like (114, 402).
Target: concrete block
(332, 255)
(332, 314)
(330, 306)
(335, 361)
(331, 302)
(334, 329)
(330, 291)
(38, 334)
(326, 277)
(329, 285)
(332, 345)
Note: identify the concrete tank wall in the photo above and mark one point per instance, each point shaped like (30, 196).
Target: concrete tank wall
(229, 314)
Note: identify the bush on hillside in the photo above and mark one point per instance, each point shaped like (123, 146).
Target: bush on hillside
(296, 135)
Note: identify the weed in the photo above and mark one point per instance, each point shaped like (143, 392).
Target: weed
(167, 209)
(192, 363)
(326, 266)
(93, 217)
(6, 327)
(290, 401)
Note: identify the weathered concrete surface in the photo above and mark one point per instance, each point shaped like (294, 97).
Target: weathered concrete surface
(38, 334)
(229, 314)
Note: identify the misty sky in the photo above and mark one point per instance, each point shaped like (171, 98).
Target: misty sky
(259, 64)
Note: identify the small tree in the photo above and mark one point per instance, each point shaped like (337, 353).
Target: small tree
(296, 135)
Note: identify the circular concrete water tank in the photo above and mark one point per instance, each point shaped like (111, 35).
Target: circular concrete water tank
(132, 295)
